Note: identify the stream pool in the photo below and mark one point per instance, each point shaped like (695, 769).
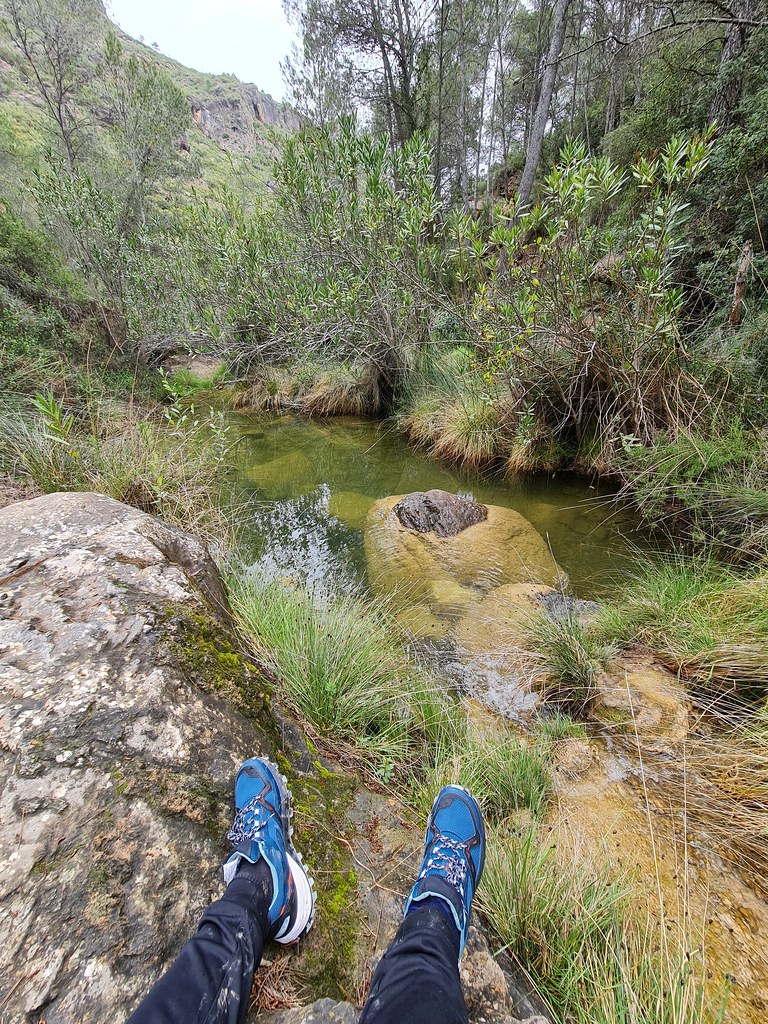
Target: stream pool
(306, 487)
(625, 794)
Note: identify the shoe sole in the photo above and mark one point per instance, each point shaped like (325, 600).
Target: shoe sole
(306, 896)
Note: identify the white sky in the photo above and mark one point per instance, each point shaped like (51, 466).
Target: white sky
(247, 38)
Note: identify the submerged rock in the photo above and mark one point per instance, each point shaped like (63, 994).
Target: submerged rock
(558, 605)
(350, 508)
(502, 548)
(439, 512)
(283, 477)
(499, 623)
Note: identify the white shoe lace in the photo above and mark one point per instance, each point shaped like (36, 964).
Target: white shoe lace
(249, 820)
(448, 857)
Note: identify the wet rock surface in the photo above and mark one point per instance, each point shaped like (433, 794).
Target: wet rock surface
(641, 698)
(559, 605)
(503, 548)
(438, 512)
(619, 809)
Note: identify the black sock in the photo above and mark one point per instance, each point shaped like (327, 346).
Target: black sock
(252, 887)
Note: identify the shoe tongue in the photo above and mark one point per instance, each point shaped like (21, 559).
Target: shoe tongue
(435, 885)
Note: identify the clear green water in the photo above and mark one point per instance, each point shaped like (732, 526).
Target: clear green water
(306, 487)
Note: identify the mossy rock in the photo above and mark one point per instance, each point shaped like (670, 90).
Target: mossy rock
(505, 548)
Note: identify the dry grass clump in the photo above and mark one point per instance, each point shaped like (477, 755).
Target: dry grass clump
(166, 463)
(593, 956)
(273, 388)
(315, 388)
(466, 429)
(538, 455)
(344, 389)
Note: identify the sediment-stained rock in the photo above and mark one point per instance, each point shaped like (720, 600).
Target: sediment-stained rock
(502, 548)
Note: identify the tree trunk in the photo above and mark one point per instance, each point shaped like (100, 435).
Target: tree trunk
(539, 124)
(737, 307)
(731, 75)
(462, 111)
(440, 82)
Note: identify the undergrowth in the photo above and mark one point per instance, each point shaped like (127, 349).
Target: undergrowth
(165, 461)
(345, 673)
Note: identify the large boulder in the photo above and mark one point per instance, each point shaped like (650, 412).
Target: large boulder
(501, 547)
(125, 710)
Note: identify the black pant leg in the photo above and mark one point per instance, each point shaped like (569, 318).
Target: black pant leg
(210, 980)
(417, 980)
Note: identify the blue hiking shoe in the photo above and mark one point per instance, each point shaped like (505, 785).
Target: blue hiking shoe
(262, 828)
(453, 857)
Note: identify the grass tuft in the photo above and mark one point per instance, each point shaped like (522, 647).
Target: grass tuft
(504, 773)
(315, 388)
(572, 657)
(344, 672)
(704, 619)
(169, 469)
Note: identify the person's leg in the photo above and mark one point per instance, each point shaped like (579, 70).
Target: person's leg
(211, 978)
(269, 895)
(417, 980)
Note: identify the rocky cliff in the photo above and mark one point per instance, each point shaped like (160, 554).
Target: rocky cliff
(236, 120)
